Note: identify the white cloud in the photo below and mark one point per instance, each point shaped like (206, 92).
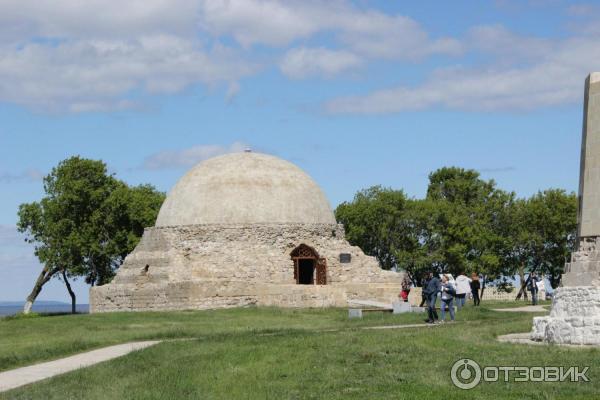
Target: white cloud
(506, 45)
(305, 62)
(100, 74)
(554, 77)
(81, 56)
(232, 91)
(90, 56)
(22, 20)
(190, 156)
(29, 175)
(279, 23)
(267, 22)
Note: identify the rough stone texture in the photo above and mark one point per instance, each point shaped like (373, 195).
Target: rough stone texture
(574, 319)
(245, 188)
(575, 315)
(217, 266)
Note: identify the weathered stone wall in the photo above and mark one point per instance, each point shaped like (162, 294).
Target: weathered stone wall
(574, 319)
(575, 315)
(213, 266)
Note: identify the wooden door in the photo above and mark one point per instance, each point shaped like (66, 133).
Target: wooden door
(321, 272)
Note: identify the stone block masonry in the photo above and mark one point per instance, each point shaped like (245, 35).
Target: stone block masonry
(234, 265)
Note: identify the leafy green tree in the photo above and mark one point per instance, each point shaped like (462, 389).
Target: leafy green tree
(550, 230)
(85, 224)
(465, 224)
(469, 213)
(419, 254)
(374, 221)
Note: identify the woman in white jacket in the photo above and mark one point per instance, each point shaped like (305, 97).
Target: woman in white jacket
(462, 288)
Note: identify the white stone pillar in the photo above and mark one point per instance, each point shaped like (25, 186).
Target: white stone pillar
(575, 315)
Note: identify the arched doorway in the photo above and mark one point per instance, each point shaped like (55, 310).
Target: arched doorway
(309, 268)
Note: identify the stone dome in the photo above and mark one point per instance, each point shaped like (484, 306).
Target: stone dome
(245, 188)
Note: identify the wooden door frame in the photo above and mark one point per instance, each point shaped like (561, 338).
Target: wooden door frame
(320, 264)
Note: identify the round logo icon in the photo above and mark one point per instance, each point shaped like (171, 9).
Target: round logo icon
(465, 374)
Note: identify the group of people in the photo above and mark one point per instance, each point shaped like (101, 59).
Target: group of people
(457, 290)
(433, 286)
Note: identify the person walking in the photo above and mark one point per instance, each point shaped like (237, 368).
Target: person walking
(448, 292)
(431, 291)
(475, 286)
(406, 284)
(463, 286)
(532, 285)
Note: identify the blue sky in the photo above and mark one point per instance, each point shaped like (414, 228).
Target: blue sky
(356, 93)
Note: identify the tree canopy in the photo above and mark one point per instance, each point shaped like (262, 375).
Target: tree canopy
(86, 223)
(464, 224)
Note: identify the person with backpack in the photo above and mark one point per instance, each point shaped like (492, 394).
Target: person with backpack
(448, 293)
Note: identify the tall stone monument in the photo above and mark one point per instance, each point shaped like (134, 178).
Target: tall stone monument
(575, 315)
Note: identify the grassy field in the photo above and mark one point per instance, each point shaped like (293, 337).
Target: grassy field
(263, 353)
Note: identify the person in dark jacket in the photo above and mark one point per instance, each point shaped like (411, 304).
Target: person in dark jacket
(432, 289)
(475, 286)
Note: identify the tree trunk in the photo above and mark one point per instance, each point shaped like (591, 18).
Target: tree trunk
(42, 279)
(522, 291)
(482, 288)
(71, 292)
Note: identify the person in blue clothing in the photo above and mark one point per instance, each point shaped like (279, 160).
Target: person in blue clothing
(431, 292)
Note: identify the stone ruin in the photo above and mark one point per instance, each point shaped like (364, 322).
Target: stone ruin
(239, 230)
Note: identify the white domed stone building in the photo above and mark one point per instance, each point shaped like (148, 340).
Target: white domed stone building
(244, 229)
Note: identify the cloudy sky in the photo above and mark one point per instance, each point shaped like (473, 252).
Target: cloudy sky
(356, 93)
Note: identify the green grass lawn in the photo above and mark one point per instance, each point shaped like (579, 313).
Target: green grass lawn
(259, 353)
